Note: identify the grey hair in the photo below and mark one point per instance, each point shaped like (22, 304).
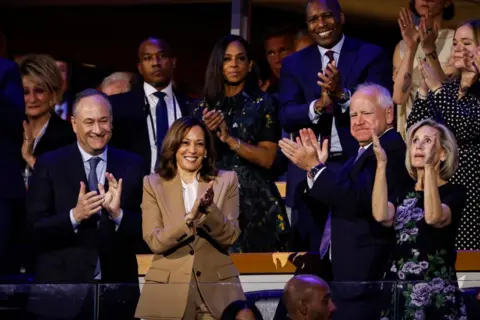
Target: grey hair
(447, 142)
(384, 98)
(90, 93)
(116, 76)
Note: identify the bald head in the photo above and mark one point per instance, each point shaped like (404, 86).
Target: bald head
(308, 297)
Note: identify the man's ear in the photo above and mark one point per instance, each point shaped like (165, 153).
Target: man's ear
(342, 18)
(174, 62)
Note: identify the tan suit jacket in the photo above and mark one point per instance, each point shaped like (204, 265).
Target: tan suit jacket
(186, 257)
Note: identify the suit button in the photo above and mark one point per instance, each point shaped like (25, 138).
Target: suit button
(198, 273)
(191, 252)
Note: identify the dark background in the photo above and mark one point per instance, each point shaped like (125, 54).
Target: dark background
(98, 40)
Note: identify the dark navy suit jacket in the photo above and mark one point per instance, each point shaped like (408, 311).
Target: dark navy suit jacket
(360, 62)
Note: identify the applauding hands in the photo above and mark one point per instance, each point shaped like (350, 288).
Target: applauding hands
(197, 214)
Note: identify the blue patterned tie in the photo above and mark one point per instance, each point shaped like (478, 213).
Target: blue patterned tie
(326, 237)
(92, 176)
(162, 118)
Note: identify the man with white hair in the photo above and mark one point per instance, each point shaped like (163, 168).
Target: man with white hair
(117, 82)
(357, 244)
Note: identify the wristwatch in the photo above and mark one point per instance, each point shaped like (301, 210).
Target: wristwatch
(344, 96)
(313, 172)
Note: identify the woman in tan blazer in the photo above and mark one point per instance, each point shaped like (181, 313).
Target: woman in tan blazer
(190, 213)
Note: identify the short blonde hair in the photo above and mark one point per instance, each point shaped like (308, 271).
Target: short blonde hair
(44, 71)
(447, 142)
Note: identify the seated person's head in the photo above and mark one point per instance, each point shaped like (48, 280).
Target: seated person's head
(302, 40)
(278, 45)
(420, 137)
(117, 82)
(241, 310)
(308, 297)
(188, 147)
(371, 106)
(42, 84)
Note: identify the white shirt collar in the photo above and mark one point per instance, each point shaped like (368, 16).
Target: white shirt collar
(368, 145)
(149, 90)
(187, 185)
(87, 156)
(336, 49)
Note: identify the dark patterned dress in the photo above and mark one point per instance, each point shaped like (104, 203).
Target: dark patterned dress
(423, 261)
(263, 219)
(462, 117)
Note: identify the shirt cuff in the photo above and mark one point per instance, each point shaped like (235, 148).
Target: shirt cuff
(118, 220)
(311, 113)
(311, 181)
(75, 224)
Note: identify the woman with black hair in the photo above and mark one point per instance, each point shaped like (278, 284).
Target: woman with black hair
(244, 120)
(241, 310)
(423, 37)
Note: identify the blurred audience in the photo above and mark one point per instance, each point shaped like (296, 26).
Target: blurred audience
(191, 233)
(244, 122)
(425, 218)
(278, 44)
(424, 36)
(302, 40)
(241, 310)
(454, 104)
(63, 106)
(117, 82)
(45, 130)
(142, 116)
(308, 297)
(12, 191)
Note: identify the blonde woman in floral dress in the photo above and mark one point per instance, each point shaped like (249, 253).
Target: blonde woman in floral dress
(244, 121)
(425, 218)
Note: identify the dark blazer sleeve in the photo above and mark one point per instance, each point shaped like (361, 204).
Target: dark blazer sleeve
(294, 108)
(334, 188)
(131, 225)
(49, 229)
(12, 104)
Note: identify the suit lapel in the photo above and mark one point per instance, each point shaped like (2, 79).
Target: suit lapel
(114, 166)
(172, 198)
(183, 103)
(314, 66)
(76, 168)
(348, 56)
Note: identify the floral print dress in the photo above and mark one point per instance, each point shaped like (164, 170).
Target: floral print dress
(423, 261)
(263, 218)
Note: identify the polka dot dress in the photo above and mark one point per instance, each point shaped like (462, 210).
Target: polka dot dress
(462, 117)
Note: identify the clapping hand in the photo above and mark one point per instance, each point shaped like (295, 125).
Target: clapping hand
(112, 196)
(200, 207)
(407, 28)
(430, 75)
(88, 204)
(212, 118)
(27, 146)
(329, 80)
(430, 154)
(306, 152)
(378, 150)
(428, 32)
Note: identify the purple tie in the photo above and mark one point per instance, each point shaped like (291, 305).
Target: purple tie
(325, 243)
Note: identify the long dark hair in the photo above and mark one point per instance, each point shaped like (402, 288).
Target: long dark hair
(167, 161)
(214, 90)
(448, 12)
(230, 312)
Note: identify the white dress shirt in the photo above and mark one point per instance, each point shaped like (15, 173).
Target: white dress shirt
(173, 112)
(335, 145)
(101, 169)
(189, 194)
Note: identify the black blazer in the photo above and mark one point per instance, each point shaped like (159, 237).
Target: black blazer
(59, 133)
(130, 130)
(68, 257)
(359, 62)
(360, 245)
(12, 113)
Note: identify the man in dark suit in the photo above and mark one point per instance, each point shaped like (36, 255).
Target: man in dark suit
(84, 221)
(359, 246)
(315, 88)
(141, 117)
(12, 189)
